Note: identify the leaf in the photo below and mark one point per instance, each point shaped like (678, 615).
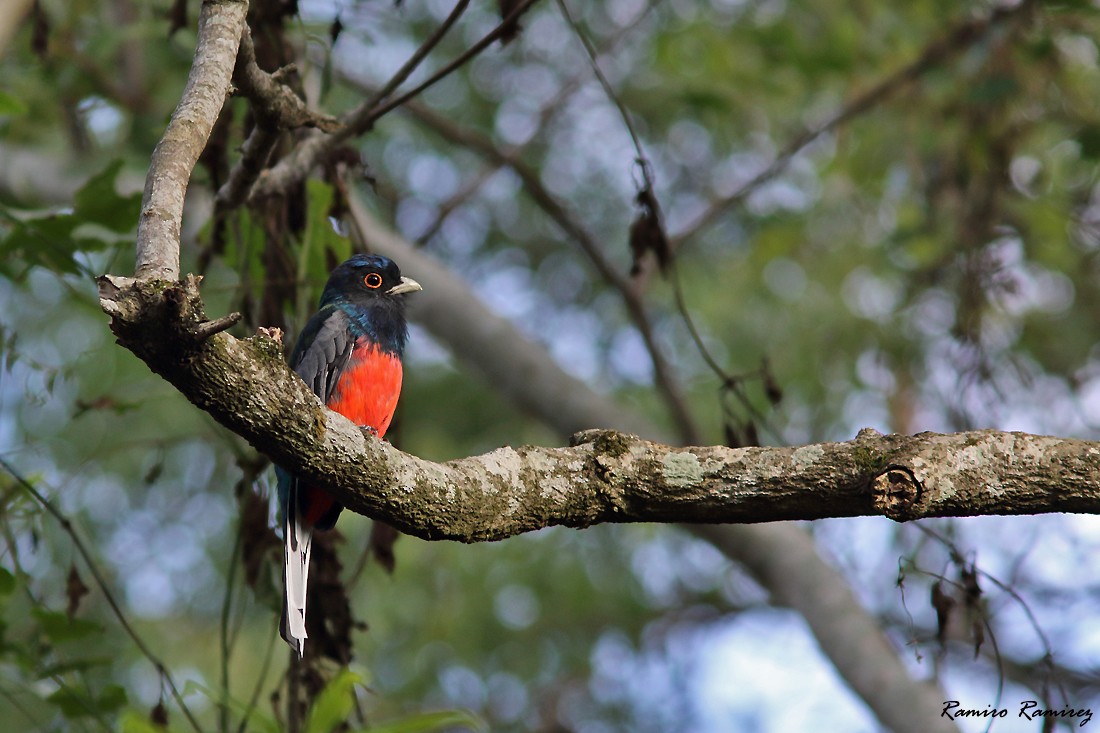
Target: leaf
(382, 539)
(98, 202)
(52, 238)
(75, 705)
(772, 390)
(977, 633)
(134, 722)
(320, 239)
(992, 90)
(334, 704)
(7, 581)
(1089, 139)
(509, 28)
(75, 590)
(968, 576)
(42, 239)
(943, 603)
(158, 716)
(427, 722)
(59, 628)
(10, 105)
(73, 665)
(647, 233)
(112, 698)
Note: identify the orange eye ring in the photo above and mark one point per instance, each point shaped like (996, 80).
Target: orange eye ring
(373, 281)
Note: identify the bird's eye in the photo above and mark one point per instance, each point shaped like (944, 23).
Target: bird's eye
(373, 281)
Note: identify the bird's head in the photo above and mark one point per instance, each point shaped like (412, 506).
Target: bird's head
(367, 280)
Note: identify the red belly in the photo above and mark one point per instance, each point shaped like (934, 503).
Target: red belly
(368, 389)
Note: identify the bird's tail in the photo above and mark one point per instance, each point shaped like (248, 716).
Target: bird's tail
(298, 537)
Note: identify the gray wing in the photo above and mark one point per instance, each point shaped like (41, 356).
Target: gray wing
(323, 351)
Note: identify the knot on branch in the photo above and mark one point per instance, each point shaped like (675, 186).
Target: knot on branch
(611, 442)
(147, 315)
(895, 493)
(608, 449)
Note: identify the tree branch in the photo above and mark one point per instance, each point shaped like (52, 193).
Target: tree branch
(605, 476)
(158, 238)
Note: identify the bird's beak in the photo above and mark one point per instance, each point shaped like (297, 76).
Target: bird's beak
(407, 285)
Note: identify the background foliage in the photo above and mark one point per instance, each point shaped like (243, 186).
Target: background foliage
(924, 258)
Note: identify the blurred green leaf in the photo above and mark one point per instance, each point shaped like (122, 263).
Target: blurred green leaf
(53, 238)
(73, 704)
(99, 202)
(59, 628)
(133, 721)
(428, 722)
(10, 105)
(334, 703)
(7, 581)
(993, 90)
(1089, 138)
(75, 665)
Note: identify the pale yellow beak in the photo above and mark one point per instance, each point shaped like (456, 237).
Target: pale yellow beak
(407, 285)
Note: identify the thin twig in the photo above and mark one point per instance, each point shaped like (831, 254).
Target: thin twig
(406, 70)
(731, 383)
(957, 558)
(464, 194)
(257, 148)
(85, 554)
(274, 104)
(550, 109)
(253, 700)
(206, 329)
(254, 155)
(223, 631)
(275, 108)
(687, 423)
(487, 40)
(593, 58)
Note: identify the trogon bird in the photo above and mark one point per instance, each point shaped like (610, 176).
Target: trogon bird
(349, 353)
